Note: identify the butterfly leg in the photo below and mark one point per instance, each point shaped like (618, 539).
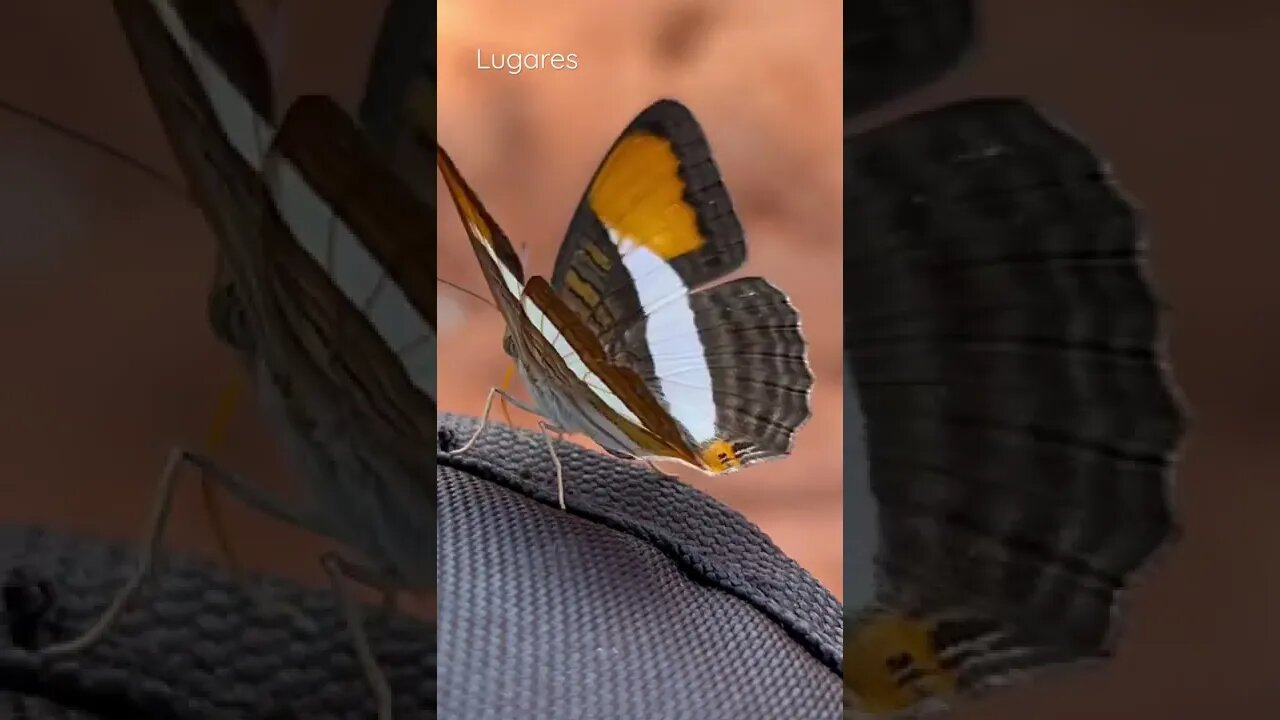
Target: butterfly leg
(545, 426)
(374, 580)
(340, 571)
(213, 509)
(178, 457)
(484, 418)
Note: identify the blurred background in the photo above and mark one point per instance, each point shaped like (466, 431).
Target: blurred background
(759, 78)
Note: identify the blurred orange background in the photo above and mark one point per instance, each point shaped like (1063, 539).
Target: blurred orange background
(762, 78)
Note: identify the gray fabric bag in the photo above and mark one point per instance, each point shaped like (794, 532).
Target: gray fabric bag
(646, 600)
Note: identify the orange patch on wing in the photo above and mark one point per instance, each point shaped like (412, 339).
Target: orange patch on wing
(891, 663)
(639, 194)
(719, 456)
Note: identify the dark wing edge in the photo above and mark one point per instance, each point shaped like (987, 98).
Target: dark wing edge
(589, 272)
(1011, 359)
(398, 108)
(892, 47)
(221, 182)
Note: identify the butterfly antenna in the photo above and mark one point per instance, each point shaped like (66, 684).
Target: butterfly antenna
(102, 147)
(465, 291)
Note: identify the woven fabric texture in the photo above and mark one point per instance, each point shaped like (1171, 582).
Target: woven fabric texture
(194, 644)
(645, 600)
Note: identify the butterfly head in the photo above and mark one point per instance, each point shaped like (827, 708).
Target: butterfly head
(509, 344)
(721, 456)
(892, 664)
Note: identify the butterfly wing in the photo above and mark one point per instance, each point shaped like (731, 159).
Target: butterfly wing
(655, 225)
(498, 260)
(210, 85)
(358, 233)
(1008, 369)
(398, 111)
(658, 190)
(894, 46)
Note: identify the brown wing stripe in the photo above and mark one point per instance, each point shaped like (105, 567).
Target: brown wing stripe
(623, 382)
(396, 227)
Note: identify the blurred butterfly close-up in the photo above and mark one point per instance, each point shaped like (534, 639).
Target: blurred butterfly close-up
(1010, 419)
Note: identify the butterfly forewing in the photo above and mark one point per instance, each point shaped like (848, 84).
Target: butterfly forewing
(398, 111)
(656, 196)
(498, 259)
(210, 86)
(368, 291)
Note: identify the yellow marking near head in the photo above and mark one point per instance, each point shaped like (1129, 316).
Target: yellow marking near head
(719, 456)
(639, 194)
(891, 663)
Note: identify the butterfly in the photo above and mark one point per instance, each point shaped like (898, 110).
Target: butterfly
(1010, 423)
(629, 342)
(325, 284)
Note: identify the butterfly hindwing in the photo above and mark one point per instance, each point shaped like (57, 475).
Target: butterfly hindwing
(364, 229)
(1005, 343)
(729, 362)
